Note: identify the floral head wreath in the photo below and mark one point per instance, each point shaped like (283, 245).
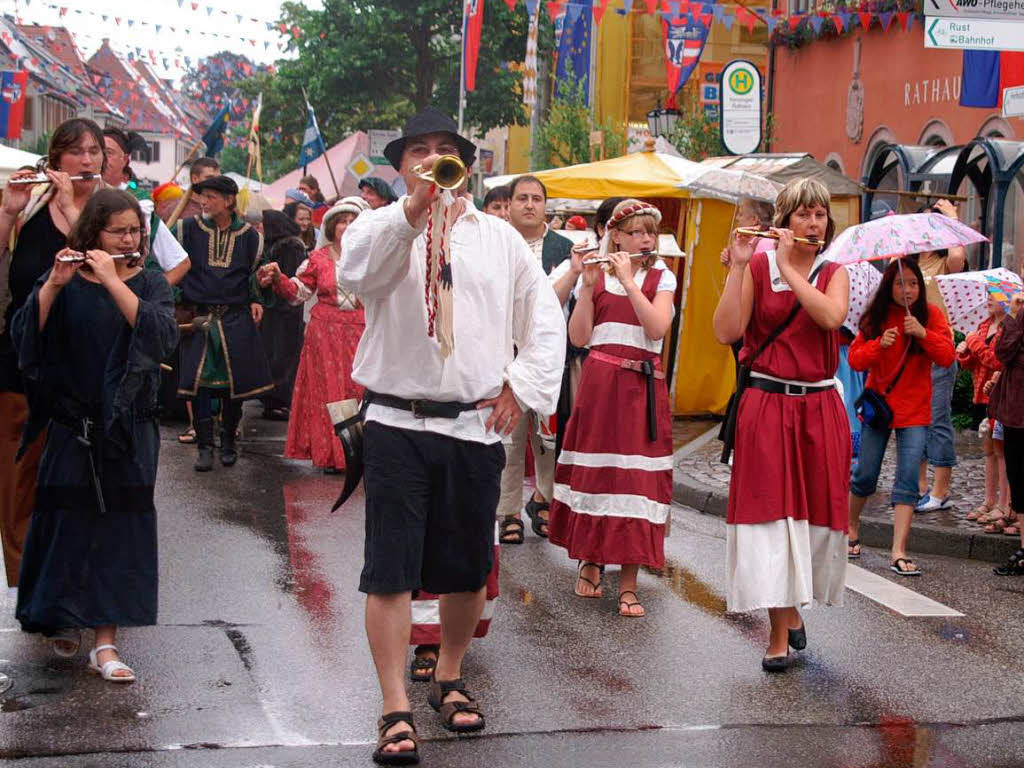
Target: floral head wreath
(637, 209)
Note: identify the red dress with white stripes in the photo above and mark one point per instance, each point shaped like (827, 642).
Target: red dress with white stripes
(426, 610)
(613, 485)
(324, 376)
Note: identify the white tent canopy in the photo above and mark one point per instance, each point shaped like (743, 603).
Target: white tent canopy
(12, 159)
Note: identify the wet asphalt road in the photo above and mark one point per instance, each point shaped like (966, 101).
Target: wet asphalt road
(260, 659)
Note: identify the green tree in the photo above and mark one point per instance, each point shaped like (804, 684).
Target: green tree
(564, 138)
(370, 65)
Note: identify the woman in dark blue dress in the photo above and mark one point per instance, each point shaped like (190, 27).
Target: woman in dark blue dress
(89, 340)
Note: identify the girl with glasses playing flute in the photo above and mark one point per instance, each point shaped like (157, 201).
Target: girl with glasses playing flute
(89, 341)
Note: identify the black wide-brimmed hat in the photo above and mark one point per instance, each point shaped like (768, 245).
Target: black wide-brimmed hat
(429, 120)
(223, 184)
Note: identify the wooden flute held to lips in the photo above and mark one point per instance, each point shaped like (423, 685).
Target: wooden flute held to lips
(773, 236)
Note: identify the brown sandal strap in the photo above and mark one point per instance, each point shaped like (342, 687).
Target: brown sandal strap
(450, 709)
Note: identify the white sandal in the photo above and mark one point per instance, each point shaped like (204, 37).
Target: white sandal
(109, 668)
(69, 637)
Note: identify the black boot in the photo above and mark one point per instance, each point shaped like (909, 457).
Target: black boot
(230, 415)
(204, 439)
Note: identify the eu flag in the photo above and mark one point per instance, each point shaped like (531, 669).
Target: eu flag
(574, 50)
(214, 136)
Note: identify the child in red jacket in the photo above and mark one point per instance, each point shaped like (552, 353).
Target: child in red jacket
(901, 335)
(977, 355)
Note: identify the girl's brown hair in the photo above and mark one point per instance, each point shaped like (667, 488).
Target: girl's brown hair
(67, 136)
(85, 235)
(804, 192)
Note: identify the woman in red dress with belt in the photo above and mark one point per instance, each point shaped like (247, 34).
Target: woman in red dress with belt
(613, 480)
(787, 516)
(335, 326)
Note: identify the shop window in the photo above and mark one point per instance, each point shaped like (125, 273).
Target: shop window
(150, 155)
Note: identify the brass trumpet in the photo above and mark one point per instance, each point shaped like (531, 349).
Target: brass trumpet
(448, 172)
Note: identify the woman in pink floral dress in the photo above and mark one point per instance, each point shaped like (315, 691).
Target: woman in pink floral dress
(335, 326)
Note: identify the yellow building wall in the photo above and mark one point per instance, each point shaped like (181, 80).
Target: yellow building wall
(517, 159)
(631, 62)
(612, 68)
(705, 373)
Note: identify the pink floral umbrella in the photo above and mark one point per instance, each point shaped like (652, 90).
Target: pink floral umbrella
(899, 235)
(966, 295)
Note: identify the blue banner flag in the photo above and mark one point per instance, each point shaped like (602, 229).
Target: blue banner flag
(574, 53)
(214, 136)
(312, 141)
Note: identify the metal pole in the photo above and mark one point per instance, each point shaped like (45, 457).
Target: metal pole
(462, 71)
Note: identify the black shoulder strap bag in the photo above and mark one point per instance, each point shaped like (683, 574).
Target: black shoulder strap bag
(872, 406)
(728, 432)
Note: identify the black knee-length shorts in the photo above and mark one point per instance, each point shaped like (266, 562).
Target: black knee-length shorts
(430, 507)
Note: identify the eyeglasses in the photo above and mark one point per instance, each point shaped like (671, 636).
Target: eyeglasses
(122, 231)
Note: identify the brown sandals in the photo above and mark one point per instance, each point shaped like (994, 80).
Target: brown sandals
(403, 757)
(439, 691)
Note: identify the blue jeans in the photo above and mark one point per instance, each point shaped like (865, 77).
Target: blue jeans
(910, 444)
(940, 448)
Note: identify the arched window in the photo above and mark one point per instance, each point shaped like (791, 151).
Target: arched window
(936, 134)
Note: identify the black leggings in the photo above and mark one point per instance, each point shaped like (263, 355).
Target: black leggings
(1013, 443)
(202, 406)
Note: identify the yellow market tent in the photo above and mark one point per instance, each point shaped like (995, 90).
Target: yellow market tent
(703, 370)
(641, 174)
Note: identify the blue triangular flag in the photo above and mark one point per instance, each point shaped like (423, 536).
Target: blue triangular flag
(816, 22)
(728, 20)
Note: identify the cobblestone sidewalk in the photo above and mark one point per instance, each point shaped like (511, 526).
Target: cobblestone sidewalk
(702, 481)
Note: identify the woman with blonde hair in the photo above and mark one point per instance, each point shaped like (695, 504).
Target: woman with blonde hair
(613, 479)
(787, 516)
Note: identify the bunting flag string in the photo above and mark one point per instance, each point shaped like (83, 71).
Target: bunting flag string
(705, 14)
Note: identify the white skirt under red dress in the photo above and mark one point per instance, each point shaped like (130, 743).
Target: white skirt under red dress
(613, 484)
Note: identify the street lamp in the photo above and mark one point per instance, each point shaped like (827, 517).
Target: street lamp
(661, 120)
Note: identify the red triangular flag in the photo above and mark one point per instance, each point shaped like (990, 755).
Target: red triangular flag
(511, 4)
(865, 19)
(599, 9)
(751, 22)
(904, 18)
(554, 7)
(652, 6)
(794, 22)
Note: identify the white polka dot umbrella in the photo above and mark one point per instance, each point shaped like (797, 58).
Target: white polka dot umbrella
(966, 294)
(864, 281)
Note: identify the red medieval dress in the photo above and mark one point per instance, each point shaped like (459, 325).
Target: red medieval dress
(613, 484)
(335, 326)
(426, 608)
(789, 495)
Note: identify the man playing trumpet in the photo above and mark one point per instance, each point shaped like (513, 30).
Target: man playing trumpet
(442, 385)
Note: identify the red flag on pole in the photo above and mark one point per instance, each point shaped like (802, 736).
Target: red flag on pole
(12, 105)
(471, 40)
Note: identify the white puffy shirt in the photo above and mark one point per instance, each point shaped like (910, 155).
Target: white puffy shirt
(501, 297)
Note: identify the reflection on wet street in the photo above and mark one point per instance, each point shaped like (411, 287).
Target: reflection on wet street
(260, 656)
